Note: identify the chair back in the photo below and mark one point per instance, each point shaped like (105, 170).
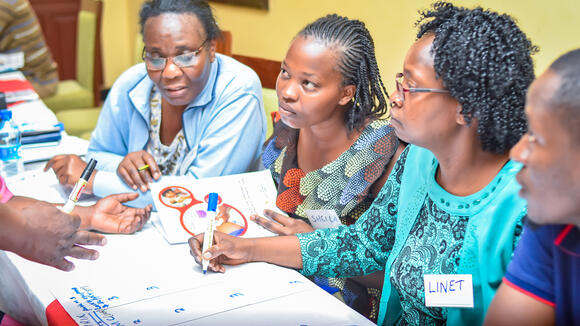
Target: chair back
(270, 108)
(88, 25)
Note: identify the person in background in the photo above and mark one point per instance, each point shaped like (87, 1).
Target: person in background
(450, 204)
(332, 148)
(185, 111)
(542, 283)
(40, 232)
(20, 32)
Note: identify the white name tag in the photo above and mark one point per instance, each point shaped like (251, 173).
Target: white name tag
(323, 218)
(448, 290)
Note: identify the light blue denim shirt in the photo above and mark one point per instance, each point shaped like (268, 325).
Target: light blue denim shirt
(224, 126)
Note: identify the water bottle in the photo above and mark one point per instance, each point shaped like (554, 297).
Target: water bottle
(10, 160)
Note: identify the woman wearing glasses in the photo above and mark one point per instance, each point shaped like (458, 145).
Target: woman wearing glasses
(450, 205)
(186, 110)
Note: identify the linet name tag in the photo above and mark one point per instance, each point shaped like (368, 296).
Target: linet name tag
(323, 218)
(448, 290)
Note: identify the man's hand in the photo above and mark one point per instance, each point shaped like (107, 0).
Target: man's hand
(49, 235)
(282, 225)
(129, 171)
(68, 169)
(111, 216)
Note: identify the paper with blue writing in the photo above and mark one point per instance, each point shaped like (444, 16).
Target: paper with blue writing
(448, 290)
(169, 290)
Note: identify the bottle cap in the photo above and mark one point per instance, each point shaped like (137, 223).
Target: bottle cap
(5, 115)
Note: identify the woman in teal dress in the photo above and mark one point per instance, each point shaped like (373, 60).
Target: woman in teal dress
(450, 205)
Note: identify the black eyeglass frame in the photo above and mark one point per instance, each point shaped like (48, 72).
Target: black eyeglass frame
(402, 89)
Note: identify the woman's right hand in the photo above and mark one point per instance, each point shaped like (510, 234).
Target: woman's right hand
(226, 250)
(128, 170)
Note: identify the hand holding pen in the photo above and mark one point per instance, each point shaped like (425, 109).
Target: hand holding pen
(213, 249)
(211, 224)
(138, 169)
(226, 250)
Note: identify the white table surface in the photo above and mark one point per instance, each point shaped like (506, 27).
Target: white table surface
(26, 288)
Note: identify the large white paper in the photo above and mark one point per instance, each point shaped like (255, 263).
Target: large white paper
(170, 293)
(181, 204)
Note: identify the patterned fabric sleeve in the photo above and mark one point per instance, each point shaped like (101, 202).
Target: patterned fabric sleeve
(21, 33)
(361, 248)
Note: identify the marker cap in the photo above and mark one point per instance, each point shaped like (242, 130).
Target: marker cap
(89, 169)
(212, 202)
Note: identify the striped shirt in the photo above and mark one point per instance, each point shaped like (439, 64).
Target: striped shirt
(20, 32)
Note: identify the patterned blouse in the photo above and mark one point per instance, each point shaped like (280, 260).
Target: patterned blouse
(168, 158)
(342, 185)
(434, 242)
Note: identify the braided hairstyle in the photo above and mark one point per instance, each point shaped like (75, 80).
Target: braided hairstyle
(356, 63)
(199, 8)
(485, 62)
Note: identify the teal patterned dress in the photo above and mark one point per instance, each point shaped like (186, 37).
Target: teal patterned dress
(414, 227)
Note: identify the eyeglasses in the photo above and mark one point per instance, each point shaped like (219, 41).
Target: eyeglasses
(402, 90)
(183, 60)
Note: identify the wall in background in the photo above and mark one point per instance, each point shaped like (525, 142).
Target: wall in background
(552, 25)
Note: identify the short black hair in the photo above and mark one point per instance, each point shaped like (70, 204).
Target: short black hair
(199, 8)
(485, 62)
(356, 63)
(566, 99)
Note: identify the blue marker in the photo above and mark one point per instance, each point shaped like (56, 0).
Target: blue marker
(208, 236)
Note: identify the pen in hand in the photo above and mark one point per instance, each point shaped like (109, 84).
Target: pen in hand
(143, 168)
(79, 186)
(208, 235)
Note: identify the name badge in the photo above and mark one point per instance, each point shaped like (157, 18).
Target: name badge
(323, 218)
(448, 290)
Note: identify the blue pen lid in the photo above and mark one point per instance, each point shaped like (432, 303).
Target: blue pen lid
(212, 202)
(5, 115)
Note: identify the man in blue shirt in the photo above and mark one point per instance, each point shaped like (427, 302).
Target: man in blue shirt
(542, 284)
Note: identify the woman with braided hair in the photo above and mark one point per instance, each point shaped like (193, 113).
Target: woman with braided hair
(332, 148)
(450, 205)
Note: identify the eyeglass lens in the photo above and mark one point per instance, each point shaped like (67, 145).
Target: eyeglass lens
(182, 61)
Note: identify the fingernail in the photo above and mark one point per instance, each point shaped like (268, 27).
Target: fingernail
(94, 256)
(207, 256)
(70, 268)
(134, 187)
(103, 241)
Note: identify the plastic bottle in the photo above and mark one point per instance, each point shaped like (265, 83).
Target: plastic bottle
(10, 159)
